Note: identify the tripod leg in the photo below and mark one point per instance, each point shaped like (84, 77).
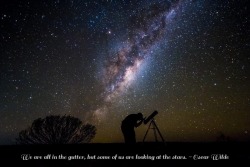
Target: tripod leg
(155, 135)
(154, 128)
(158, 130)
(147, 132)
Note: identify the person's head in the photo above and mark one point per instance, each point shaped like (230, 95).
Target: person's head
(140, 116)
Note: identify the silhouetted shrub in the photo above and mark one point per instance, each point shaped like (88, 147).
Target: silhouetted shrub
(57, 130)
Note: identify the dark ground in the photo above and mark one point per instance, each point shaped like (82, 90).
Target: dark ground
(223, 151)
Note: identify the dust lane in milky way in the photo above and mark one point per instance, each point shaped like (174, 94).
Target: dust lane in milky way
(147, 29)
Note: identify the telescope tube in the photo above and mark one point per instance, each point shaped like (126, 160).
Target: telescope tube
(150, 117)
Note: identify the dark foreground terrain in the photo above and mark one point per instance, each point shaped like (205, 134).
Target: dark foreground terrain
(117, 154)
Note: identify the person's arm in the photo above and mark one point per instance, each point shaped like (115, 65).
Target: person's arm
(138, 123)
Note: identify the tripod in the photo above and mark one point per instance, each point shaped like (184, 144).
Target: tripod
(156, 129)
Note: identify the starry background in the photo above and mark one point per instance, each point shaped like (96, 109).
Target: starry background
(102, 60)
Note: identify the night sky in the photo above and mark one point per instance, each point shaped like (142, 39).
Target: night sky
(102, 60)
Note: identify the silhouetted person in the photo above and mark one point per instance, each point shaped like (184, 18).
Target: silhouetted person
(128, 125)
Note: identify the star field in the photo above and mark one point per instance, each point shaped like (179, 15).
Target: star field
(102, 60)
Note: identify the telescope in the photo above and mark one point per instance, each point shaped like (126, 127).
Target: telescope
(146, 120)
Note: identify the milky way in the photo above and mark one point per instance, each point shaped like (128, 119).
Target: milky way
(146, 31)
